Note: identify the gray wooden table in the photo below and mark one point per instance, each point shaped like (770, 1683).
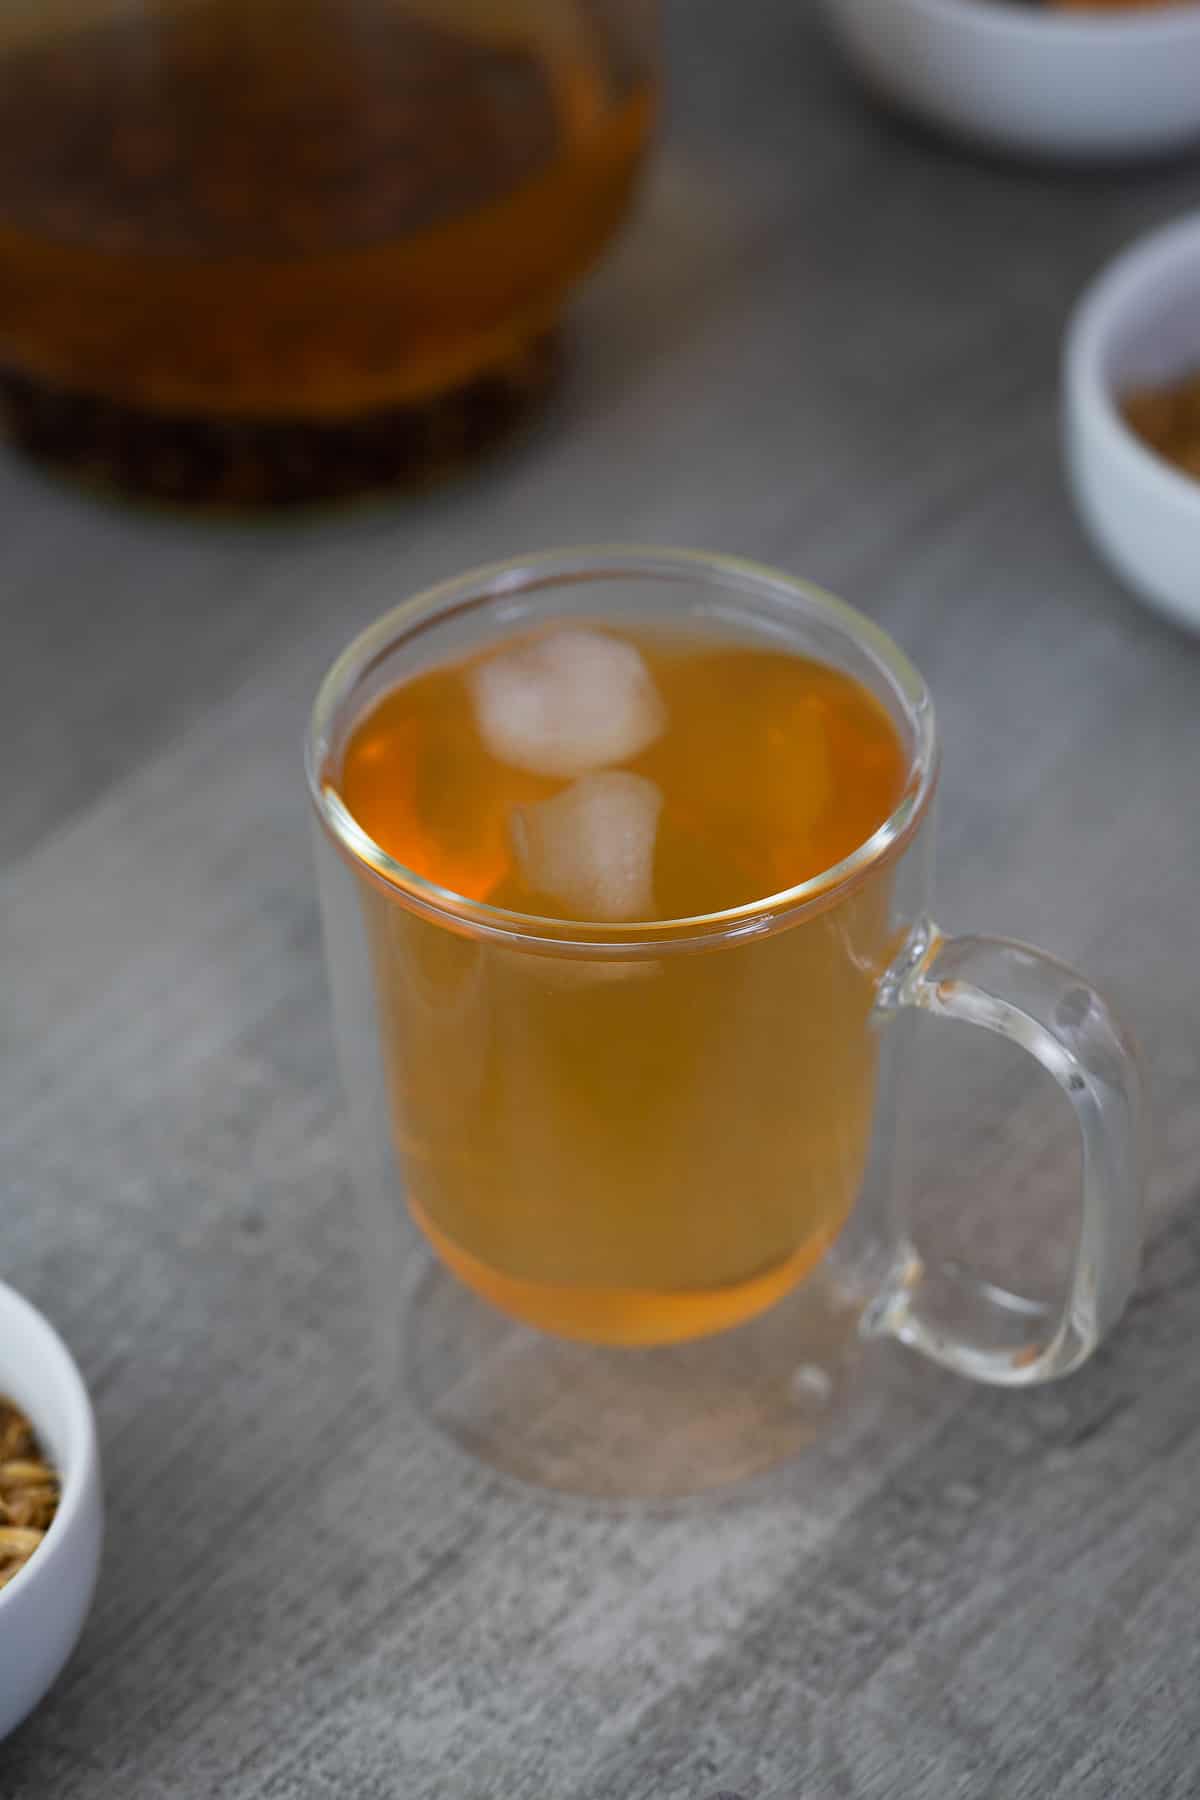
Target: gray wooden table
(831, 344)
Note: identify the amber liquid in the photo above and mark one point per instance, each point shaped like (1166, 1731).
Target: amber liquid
(229, 215)
(653, 1150)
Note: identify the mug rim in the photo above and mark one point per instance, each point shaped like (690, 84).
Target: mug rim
(489, 582)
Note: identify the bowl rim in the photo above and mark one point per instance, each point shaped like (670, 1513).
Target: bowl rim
(79, 1477)
(1107, 302)
(1011, 19)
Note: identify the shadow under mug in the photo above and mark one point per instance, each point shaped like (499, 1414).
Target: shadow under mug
(735, 1079)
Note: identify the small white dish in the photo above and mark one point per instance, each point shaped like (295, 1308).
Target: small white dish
(1032, 79)
(43, 1608)
(1137, 325)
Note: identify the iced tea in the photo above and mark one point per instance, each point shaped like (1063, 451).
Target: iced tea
(647, 1149)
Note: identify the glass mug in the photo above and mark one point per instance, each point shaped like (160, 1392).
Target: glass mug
(664, 1152)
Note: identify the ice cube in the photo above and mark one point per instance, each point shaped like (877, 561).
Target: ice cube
(566, 703)
(591, 847)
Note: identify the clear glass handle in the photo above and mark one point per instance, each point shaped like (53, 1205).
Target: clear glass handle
(1060, 1020)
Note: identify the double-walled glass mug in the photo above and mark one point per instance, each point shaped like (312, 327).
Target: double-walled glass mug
(655, 1155)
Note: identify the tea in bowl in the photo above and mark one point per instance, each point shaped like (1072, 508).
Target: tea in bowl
(1132, 353)
(45, 1599)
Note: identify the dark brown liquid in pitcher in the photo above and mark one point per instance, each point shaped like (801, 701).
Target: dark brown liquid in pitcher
(265, 250)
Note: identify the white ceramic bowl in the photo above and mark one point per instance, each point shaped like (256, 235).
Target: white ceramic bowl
(1031, 79)
(43, 1608)
(1139, 323)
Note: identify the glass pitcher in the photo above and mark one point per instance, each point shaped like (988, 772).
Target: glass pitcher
(261, 251)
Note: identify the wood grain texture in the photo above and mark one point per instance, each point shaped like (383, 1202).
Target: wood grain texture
(830, 344)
